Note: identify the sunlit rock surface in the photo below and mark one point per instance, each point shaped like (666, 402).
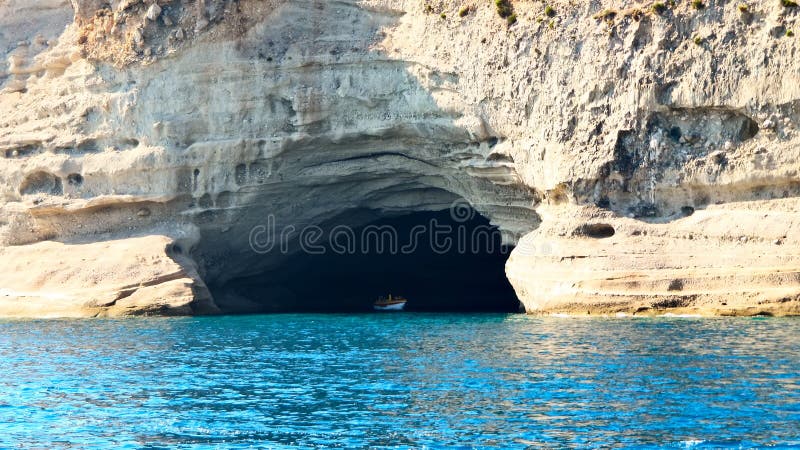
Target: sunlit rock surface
(187, 124)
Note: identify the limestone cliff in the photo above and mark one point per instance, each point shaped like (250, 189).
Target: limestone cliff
(647, 152)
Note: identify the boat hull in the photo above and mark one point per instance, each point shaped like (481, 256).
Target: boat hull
(391, 307)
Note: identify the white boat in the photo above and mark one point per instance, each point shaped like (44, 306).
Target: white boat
(390, 303)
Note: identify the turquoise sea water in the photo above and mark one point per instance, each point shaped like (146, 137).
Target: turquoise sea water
(410, 380)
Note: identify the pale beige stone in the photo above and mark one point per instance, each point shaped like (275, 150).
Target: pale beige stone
(132, 276)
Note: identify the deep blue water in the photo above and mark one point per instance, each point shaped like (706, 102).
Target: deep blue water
(407, 379)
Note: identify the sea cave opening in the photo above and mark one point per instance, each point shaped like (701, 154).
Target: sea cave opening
(439, 261)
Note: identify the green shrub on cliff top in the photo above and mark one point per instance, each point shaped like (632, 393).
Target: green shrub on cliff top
(658, 7)
(789, 3)
(549, 11)
(504, 8)
(463, 11)
(698, 4)
(606, 14)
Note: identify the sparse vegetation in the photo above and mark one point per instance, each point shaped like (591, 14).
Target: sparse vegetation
(743, 8)
(428, 9)
(698, 4)
(698, 40)
(549, 11)
(506, 11)
(789, 3)
(606, 14)
(504, 8)
(443, 15)
(789, 33)
(659, 7)
(463, 11)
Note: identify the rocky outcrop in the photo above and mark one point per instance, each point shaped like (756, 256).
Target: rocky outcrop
(187, 124)
(730, 259)
(134, 276)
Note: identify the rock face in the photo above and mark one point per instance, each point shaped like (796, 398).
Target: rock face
(648, 158)
(133, 276)
(731, 259)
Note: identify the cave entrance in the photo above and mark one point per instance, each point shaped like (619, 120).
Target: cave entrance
(441, 263)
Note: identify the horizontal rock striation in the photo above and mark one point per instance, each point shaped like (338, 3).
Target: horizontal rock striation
(731, 259)
(653, 152)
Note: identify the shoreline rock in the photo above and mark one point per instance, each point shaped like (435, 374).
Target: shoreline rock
(587, 261)
(111, 278)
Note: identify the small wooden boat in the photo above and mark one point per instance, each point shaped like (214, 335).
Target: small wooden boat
(390, 303)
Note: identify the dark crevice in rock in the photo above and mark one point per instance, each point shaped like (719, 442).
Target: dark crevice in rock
(241, 174)
(594, 230)
(500, 158)
(625, 161)
(22, 151)
(75, 179)
(41, 183)
(88, 146)
(373, 156)
(708, 126)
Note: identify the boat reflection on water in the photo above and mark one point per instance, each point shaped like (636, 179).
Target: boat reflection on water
(396, 303)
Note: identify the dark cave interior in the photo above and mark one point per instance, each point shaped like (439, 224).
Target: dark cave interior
(438, 262)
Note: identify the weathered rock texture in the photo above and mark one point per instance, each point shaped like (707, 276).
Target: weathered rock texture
(133, 276)
(184, 124)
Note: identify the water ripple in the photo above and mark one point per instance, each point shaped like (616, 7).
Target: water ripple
(404, 380)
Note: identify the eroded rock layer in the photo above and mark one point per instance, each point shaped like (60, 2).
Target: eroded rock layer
(732, 259)
(187, 124)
